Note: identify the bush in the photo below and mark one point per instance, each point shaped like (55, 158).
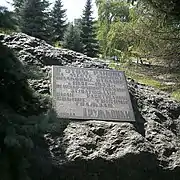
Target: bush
(22, 118)
(17, 134)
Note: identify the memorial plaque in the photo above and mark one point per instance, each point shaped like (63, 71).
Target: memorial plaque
(96, 94)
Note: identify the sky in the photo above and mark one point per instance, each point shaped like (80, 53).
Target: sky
(74, 7)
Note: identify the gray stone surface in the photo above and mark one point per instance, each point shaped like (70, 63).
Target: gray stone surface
(148, 149)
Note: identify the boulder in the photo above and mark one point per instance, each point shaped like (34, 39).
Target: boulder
(95, 150)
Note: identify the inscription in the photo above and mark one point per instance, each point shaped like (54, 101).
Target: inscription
(110, 114)
(91, 94)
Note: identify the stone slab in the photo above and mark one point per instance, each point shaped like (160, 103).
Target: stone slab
(91, 94)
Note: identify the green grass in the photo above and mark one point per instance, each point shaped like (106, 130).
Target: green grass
(57, 44)
(176, 94)
(6, 31)
(142, 76)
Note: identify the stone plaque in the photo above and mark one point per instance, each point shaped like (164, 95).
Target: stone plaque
(96, 94)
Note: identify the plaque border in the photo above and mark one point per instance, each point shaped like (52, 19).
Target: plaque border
(87, 119)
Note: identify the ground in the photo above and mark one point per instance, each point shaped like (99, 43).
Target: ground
(158, 76)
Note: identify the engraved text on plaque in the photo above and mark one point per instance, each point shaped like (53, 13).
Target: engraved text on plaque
(96, 94)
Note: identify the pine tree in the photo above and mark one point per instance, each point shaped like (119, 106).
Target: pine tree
(72, 38)
(77, 39)
(21, 121)
(18, 4)
(88, 36)
(7, 20)
(34, 18)
(58, 20)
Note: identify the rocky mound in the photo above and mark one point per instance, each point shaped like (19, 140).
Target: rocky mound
(34, 51)
(94, 150)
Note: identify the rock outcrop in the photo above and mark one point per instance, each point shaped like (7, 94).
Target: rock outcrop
(148, 149)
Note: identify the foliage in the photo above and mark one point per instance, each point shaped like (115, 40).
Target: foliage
(113, 16)
(141, 28)
(138, 30)
(16, 140)
(7, 20)
(169, 8)
(88, 35)
(20, 119)
(18, 4)
(58, 21)
(34, 18)
(176, 95)
(57, 44)
(72, 38)
(158, 36)
(11, 79)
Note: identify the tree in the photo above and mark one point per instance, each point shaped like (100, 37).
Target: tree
(58, 19)
(72, 38)
(113, 18)
(144, 29)
(170, 8)
(77, 39)
(34, 18)
(21, 121)
(88, 36)
(18, 4)
(7, 20)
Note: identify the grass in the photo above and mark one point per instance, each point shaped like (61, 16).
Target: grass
(176, 95)
(57, 44)
(144, 76)
(6, 31)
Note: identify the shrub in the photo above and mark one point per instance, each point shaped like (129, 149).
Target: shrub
(23, 118)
